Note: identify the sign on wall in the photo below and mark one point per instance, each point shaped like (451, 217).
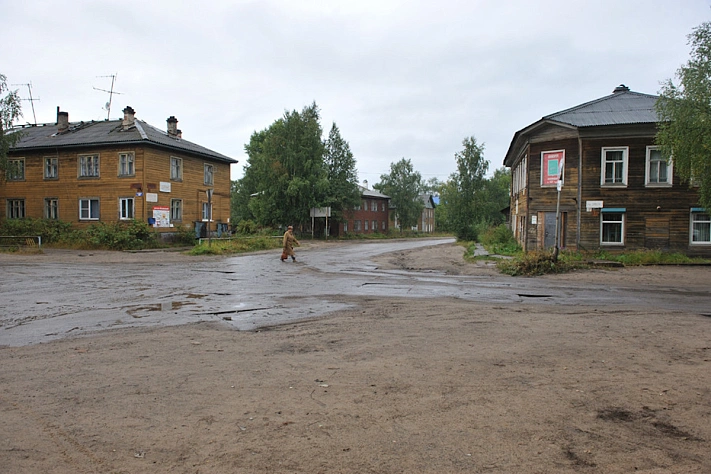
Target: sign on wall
(551, 166)
(161, 216)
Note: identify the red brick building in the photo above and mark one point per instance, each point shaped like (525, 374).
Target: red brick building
(368, 218)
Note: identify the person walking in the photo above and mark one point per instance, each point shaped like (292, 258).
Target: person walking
(289, 242)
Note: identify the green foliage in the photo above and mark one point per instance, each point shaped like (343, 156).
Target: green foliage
(404, 186)
(499, 240)
(124, 235)
(537, 263)
(10, 110)
(343, 192)
(49, 229)
(239, 245)
(184, 235)
(285, 175)
(684, 112)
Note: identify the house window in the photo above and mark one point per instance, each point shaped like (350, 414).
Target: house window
(345, 227)
(176, 210)
(51, 167)
(659, 169)
(612, 226)
(208, 175)
(365, 205)
(700, 226)
(375, 226)
(356, 226)
(614, 166)
(206, 211)
(126, 165)
(51, 208)
(382, 226)
(16, 169)
(89, 166)
(126, 208)
(365, 225)
(382, 206)
(374, 206)
(176, 168)
(89, 209)
(15, 208)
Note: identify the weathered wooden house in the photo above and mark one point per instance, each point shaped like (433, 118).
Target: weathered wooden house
(369, 217)
(426, 219)
(114, 170)
(618, 192)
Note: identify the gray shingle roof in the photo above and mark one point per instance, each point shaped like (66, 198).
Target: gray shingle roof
(622, 107)
(365, 192)
(107, 133)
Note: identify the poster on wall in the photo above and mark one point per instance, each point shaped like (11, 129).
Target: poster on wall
(161, 216)
(551, 163)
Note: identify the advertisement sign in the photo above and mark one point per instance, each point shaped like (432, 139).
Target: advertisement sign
(161, 216)
(551, 167)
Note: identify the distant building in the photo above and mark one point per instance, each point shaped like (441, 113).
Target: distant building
(426, 219)
(116, 170)
(369, 217)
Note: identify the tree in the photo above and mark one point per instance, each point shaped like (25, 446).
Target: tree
(285, 175)
(684, 113)
(465, 197)
(343, 193)
(10, 110)
(404, 186)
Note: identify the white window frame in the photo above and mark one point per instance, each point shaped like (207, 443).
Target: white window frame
(648, 170)
(176, 210)
(15, 209)
(127, 208)
(86, 209)
(356, 226)
(345, 227)
(625, 165)
(206, 211)
(51, 208)
(176, 168)
(382, 225)
(15, 169)
(89, 166)
(209, 174)
(127, 164)
(365, 225)
(374, 225)
(51, 167)
(374, 206)
(705, 219)
(621, 222)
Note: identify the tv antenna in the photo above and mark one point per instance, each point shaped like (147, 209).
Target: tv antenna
(111, 93)
(31, 99)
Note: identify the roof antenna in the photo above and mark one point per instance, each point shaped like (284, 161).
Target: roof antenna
(32, 101)
(111, 93)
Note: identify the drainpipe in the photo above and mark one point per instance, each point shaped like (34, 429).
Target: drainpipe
(578, 204)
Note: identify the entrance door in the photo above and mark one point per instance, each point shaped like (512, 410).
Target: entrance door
(549, 229)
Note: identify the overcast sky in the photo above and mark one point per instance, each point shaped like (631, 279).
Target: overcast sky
(401, 79)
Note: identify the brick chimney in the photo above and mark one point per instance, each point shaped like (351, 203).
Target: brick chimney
(62, 121)
(173, 126)
(129, 117)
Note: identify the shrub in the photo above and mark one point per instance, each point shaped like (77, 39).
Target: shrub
(49, 229)
(537, 263)
(499, 240)
(129, 235)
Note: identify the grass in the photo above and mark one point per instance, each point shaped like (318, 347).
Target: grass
(236, 245)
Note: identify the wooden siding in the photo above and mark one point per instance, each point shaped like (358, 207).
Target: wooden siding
(152, 166)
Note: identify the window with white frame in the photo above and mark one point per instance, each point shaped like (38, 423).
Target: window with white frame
(176, 168)
(89, 166)
(374, 206)
(700, 226)
(51, 208)
(15, 208)
(382, 226)
(176, 210)
(659, 168)
(51, 167)
(126, 164)
(345, 227)
(89, 209)
(365, 225)
(612, 226)
(614, 166)
(382, 206)
(208, 174)
(15, 169)
(375, 226)
(356, 226)
(126, 208)
(365, 205)
(206, 211)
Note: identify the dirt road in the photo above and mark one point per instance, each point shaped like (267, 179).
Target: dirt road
(394, 384)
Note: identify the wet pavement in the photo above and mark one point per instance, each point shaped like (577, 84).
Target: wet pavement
(42, 301)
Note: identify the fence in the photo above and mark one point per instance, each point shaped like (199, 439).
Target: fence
(21, 241)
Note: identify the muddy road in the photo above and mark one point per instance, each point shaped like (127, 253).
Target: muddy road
(59, 294)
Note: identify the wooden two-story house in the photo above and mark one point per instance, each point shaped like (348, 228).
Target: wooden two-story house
(617, 191)
(115, 170)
